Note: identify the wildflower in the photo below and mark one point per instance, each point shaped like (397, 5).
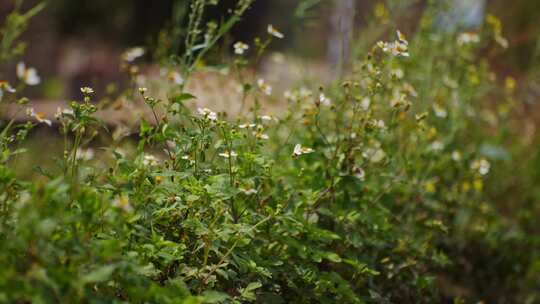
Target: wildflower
(299, 150)
(398, 73)
(245, 126)
(131, 54)
(249, 191)
(122, 202)
(456, 155)
(40, 117)
(359, 173)
(266, 117)
(85, 154)
(207, 113)
(142, 91)
(397, 48)
(240, 48)
(305, 92)
(175, 78)
(481, 165)
(324, 100)
(467, 38)
(5, 87)
(437, 146)
(259, 135)
(150, 160)
(264, 87)
(439, 111)
(274, 32)
(87, 90)
(27, 75)
(228, 154)
(365, 103)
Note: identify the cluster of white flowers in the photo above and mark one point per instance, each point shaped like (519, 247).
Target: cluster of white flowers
(228, 154)
(40, 117)
(264, 87)
(399, 47)
(299, 150)
(240, 48)
(467, 38)
(150, 160)
(207, 113)
(274, 32)
(28, 75)
(481, 165)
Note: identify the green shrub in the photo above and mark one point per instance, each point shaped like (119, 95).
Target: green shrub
(372, 189)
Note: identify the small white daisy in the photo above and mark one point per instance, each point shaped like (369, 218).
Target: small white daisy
(274, 32)
(27, 75)
(240, 48)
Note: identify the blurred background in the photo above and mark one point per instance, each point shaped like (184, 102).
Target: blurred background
(76, 43)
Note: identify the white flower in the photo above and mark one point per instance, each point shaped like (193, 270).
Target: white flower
(365, 103)
(228, 154)
(131, 54)
(482, 165)
(299, 150)
(264, 87)
(437, 146)
(175, 77)
(207, 113)
(324, 100)
(85, 154)
(261, 135)
(150, 160)
(439, 111)
(27, 75)
(467, 38)
(245, 126)
(249, 191)
(266, 117)
(122, 202)
(240, 48)
(379, 124)
(305, 92)
(274, 32)
(5, 87)
(397, 48)
(87, 90)
(359, 173)
(40, 117)
(456, 155)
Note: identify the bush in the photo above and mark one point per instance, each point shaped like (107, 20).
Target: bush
(372, 189)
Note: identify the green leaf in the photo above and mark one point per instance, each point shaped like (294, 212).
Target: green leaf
(100, 274)
(182, 97)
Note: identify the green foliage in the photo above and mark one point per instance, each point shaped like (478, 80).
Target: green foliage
(375, 189)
